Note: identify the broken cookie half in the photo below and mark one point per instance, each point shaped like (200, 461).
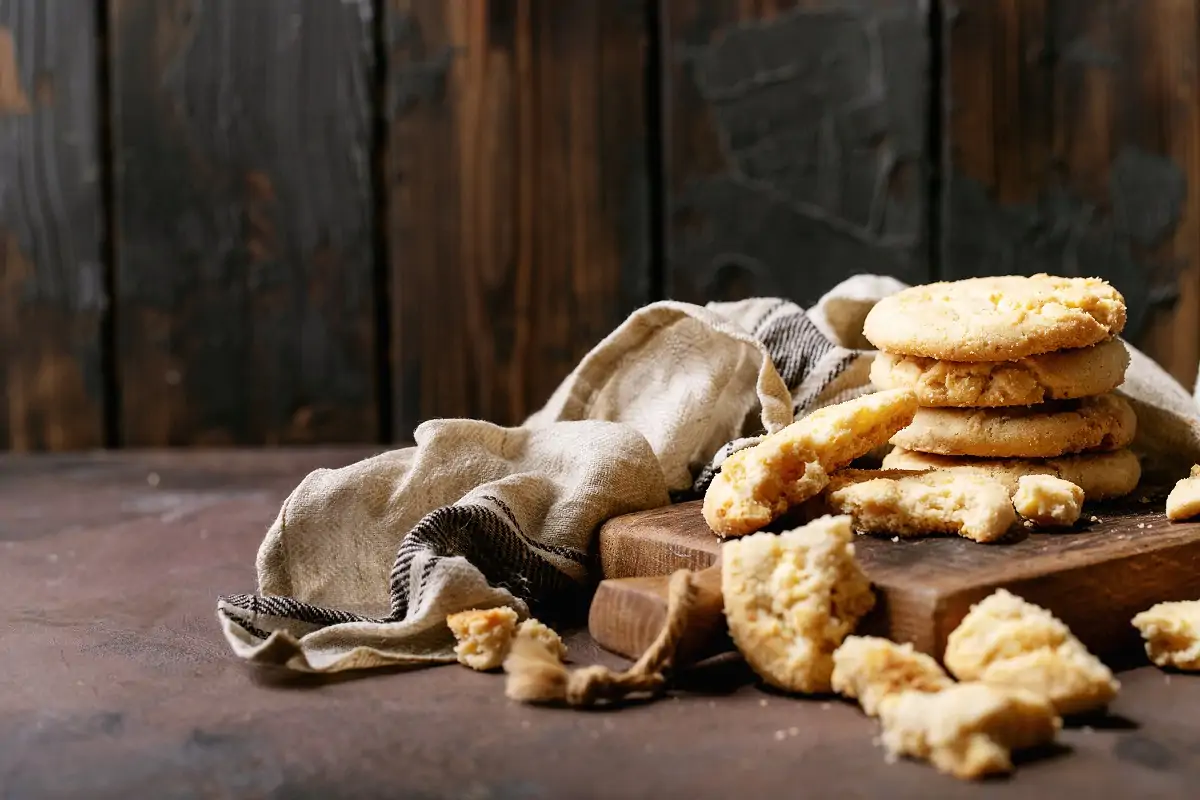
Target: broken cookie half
(870, 669)
(483, 636)
(758, 484)
(968, 730)
(1009, 643)
(913, 503)
(792, 598)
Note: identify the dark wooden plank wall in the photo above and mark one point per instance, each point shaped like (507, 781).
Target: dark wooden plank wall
(1072, 143)
(797, 141)
(518, 196)
(244, 219)
(52, 268)
(329, 221)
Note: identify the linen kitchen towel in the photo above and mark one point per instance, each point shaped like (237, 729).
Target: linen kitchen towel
(363, 564)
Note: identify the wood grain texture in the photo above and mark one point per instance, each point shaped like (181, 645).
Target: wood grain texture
(242, 138)
(52, 279)
(796, 145)
(1095, 579)
(1072, 146)
(518, 218)
(627, 615)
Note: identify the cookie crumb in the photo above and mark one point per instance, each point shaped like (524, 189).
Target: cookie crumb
(762, 703)
(780, 735)
(895, 538)
(1093, 518)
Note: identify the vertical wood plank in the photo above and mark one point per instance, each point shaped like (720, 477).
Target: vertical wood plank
(245, 215)
(797, 145)
(1072, 148)
(52, 281)
(518, 196)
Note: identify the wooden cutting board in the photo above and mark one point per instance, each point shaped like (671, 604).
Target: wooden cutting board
(1094, 578)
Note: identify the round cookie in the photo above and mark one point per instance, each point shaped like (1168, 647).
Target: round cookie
(1102, 476)
(1106, 422)
(1061, 375)
(996, 319)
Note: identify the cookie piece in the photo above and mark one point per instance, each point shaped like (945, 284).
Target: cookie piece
(968, 730)
(1048, 501)
(1007, 642)
(758, 484)
(905, 503)
(1172, 633)
(483, 636)
(543, 634)
(1053, 429)
(1062, 375)
(868, 668)
(792, 598)
(1102, 476)
(1184, 500)
(996, 319)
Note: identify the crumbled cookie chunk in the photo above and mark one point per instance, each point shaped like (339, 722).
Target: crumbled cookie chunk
(968, 730)
(868, 668)
(1007, 642)
(1172, 634)
(483, 636)
(1048, 501)
(758, 484)
(1184, 500)
(1000, 318)
(1105, 422)
(1061, 375)
(539, 631)
(921, 503)
(792, 598)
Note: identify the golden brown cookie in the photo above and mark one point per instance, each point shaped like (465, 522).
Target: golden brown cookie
(1102, 476)
(483, 636)
(1172, 634)
(1007, 642)
(1062, 375)
(1184, 500)
(996, 319)
(792, 598)
(1048, 501)
(758, 484)
(869, 669)
(906, 503)
(1052, 429)
(968, 730)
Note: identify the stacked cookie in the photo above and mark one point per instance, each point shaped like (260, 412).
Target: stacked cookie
(1014, 376)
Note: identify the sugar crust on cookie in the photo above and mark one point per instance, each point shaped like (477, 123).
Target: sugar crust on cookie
(996, 318)
(1061, 375)
(1105, 422)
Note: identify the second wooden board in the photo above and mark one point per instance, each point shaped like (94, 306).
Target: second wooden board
(1094, 578)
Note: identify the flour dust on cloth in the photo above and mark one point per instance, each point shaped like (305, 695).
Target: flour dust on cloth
(364, 563)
